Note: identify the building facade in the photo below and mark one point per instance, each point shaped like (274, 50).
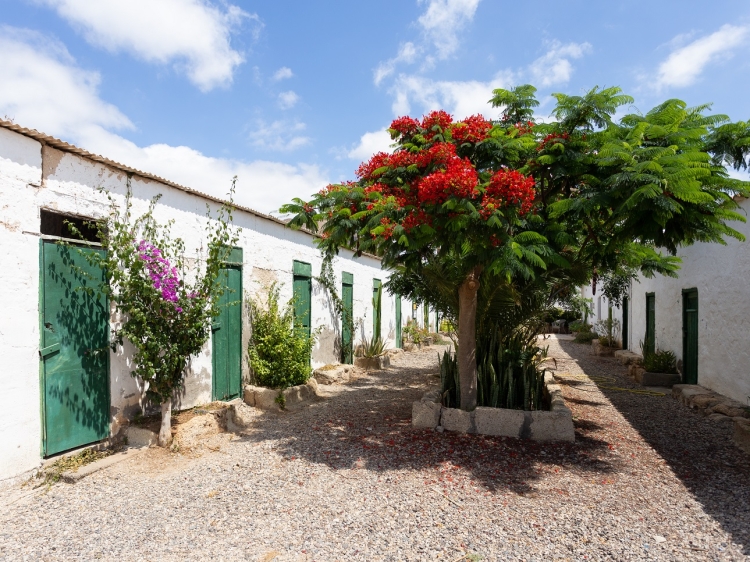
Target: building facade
(58, 394)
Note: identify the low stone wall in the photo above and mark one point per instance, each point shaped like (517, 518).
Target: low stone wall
(556, 424)
(294, 396)
(602, 350)
(373, 363)
(719, 409)
(333, 374)
(626, 357)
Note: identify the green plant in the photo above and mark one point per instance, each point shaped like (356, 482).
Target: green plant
(279, 351)
(373, 347)
(166, 313)
(585, 337)
(579, 326)
(608, 330)
(508, 375)
(327, 280)
(660, 361)
(413, 332)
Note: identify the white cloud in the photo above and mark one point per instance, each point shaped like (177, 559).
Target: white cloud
(279, 135)
(444, 20)
(282, 74)
(555, 67)
(194, 35)
(43, 88)
(461, 99)
(407, 53)
(370, 143)
(287, 100)
(684, 65)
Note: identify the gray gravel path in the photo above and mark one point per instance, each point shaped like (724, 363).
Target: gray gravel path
(348, 479)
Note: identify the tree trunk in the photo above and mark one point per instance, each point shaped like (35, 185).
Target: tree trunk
(165, 432)
(467, 339)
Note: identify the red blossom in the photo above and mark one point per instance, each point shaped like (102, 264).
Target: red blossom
(508, 187)
(439, 118)
(438, 153)
(405, 126)
(415, 218)
(459, 178)
(552, 138)
(524, 128)
(366, 169)
(472, 129)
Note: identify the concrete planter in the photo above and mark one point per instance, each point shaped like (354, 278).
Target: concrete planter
(658, 379)
(377, 363)
(553, 425)
(602, 350)
(294, 396)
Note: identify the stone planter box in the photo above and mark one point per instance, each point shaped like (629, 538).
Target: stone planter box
(658, 379)
(333, 374)
(373, 363)
(556, 424)
(626, 357)
(265, 398)
(602, 350)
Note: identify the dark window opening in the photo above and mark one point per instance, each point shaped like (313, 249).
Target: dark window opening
(55, 224)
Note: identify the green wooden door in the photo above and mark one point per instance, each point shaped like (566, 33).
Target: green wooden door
(347, 297)
(226, 381)
(625, 314)
(649, 344)
(377, 311)
(303, 296)
(690, 336)
(399, 340)
(74, 349)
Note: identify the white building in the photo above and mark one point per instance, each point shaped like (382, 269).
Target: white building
(703, 316)
(44, 180)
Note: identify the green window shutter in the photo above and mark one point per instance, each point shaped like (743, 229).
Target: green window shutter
(303, 295)
(377, 298)
(301, 269)
(347, 296)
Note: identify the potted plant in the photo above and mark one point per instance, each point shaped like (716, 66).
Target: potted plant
(373, 355)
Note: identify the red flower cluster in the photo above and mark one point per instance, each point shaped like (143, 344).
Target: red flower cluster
(508, 187)
(366, 169)
(439, 118)
(415, 218)
(472, 129)
(552, 138)
(524, 128)
(459, 178)
(405, 126)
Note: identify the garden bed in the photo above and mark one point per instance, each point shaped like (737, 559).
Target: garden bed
(555, 424)
(268, 398)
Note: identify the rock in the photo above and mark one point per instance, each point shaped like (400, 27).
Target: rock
(742, 435)
(659, 379)
(313, 384)
(626, 357)
(719, 418)
(638, 373)
(425, 414)
(332, 374)
(729, 409)
(140, 437)
(240, 416)
(703, 401)
(685, 392)
(601, 350)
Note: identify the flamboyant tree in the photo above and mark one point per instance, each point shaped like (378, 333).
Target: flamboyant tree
(512, 202)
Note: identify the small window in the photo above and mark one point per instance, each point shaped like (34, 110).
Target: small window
(56, 224)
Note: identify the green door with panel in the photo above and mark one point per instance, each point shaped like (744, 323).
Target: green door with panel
(226, 380)
(303, 296)
(399, 341)
(690, 336)
(377, 308)
(74, 349)
(649, 343)
(625, 325)
(347, 298)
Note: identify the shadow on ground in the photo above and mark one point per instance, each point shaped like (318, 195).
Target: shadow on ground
(700, 452)
(369, 428)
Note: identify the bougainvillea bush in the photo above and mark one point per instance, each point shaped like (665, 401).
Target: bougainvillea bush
(165, 310)
(518, 212)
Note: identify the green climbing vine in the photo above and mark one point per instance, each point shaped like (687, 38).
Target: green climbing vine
(328, 281)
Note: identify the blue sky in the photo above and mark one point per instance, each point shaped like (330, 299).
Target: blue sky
(292, 95)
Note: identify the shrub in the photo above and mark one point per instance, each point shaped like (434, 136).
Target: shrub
(413, 332)
(608, 331)
(373, 347)
(279, 351)
(660, 361)
(579, 326)
(585, 337)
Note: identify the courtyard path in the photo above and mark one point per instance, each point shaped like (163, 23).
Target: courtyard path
(347, 478)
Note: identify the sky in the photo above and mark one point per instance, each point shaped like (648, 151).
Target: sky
(293, 95)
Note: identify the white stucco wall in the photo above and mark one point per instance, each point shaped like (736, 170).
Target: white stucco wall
(33, 177)
(722, 276)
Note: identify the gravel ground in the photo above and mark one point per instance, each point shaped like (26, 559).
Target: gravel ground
(347, 478)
